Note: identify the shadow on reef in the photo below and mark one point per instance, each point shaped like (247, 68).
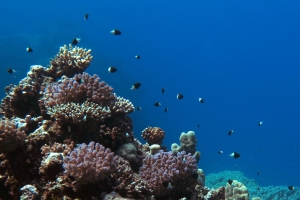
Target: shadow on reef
(66, 135)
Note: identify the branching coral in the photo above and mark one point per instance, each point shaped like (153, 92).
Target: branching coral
(165, 167)
(153, 135)
(70, 61)
(90, 163)
(80, 88)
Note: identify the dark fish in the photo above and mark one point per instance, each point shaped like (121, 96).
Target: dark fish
(230, 182)
(28, 49)
(166, 110)
(195, 176)
(201, 100)
(112, 69)
(198, 125)
(139, 108)
(115, 32)
(10, 71)
(137, 56)
(260, 124)
(235, 155)
(163, 90)
(157, 104)
(220, 152)
(258, 173)
(291, 187)
(136, 86)
(75, 41)
(165, 184)
(258, 188)
(86, 16)
(179, 96)
(230, 132)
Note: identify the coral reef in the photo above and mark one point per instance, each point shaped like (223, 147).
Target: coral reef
(65, 134)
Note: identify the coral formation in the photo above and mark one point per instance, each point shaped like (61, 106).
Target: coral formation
(70, 61)
(165, 167)
(10, 136)
(236, 191)
(188, 144)
(153, 135)
(89, 163)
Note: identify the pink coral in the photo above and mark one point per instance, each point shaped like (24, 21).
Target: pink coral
(165, 167)
(90, 163)
(82, 87)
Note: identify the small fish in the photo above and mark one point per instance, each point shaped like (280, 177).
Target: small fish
(157, 104)
(230, 182)
(179, 96)
(75, 41)
(137, 56)
(115, 32)
(28, 49)
(220, 152)
(258, 188)
(260, 123)
(230, 132)
(10, 71)
(136, 86)
(127, 134)
(163, 90)
(139, 108)
(86, 16)
(166, 110)
(198, 125)
(291, 187)
(195, 176)
(201, 100)
(112, 69)
(235, 155)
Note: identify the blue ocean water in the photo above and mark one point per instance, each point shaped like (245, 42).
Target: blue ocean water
(241, 57)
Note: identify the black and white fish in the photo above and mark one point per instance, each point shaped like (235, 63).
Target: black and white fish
(75, 41)
(179, 96)
(136, 86)
(112, 69)
(28, 49)
(115, 32)
(86, 16)
(235, 155)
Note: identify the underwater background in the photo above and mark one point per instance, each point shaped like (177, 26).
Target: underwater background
(241, 57)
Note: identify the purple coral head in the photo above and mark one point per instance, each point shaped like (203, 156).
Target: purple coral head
(90, 163)
(165, 166)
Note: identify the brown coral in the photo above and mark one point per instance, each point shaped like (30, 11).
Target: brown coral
(10, 136)
(79, 113)
(69, 61)
(153, 135)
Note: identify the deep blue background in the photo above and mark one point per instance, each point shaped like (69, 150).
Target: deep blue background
(241, 57)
